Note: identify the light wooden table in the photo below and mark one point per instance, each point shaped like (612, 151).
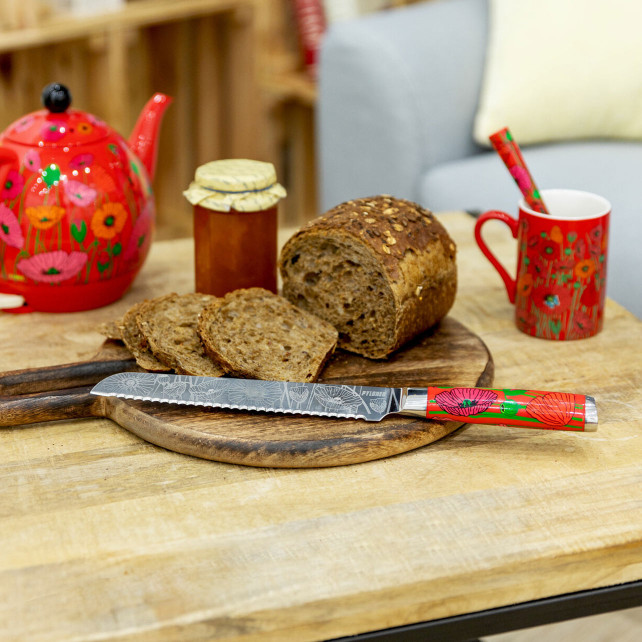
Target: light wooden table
(106, 537)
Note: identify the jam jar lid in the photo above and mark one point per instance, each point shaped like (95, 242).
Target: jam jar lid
(57, 125)
(238, 183)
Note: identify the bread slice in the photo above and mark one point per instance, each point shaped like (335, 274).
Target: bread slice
(111, 330)
(380, 269)
(256, 334)
(136, 342)
(168, 323)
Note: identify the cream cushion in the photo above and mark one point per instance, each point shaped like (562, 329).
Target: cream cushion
(562, 70)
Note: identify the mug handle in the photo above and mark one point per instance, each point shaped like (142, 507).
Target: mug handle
(513, 224)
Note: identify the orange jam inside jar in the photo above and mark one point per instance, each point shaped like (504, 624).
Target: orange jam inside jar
(235, 205)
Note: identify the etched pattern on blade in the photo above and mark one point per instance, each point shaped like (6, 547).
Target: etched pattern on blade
(358, 402)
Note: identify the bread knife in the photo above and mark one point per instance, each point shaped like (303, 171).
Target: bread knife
(506, 407)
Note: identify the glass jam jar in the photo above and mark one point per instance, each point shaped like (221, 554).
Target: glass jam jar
(235, 205)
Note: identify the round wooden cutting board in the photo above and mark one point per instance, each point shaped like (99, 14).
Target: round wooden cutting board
(449, 354)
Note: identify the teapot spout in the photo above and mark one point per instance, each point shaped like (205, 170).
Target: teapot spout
(144, 138)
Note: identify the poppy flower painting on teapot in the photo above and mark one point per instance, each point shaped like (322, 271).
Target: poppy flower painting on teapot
(77, 209)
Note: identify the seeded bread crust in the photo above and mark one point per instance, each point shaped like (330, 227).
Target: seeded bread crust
(136, 342)
(168, 323)
(380, 269)
(256, 334)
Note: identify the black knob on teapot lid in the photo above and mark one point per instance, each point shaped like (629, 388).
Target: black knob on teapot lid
(56, 97)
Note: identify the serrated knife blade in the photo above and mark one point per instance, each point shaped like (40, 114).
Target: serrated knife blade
(507, 407)
(357, 402)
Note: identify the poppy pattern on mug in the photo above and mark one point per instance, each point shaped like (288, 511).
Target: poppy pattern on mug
(561, 277)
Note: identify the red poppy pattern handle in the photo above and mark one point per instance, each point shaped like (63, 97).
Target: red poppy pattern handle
(522, 408)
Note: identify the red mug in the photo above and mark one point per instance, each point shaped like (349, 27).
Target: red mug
(560, 285)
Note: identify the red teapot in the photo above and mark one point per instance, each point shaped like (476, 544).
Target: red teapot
(77, 209)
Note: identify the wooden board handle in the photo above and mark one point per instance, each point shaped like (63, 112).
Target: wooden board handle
(73, 403)
(69, 375)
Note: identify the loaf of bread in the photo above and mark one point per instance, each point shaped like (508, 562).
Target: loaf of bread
(256, 334)
(380, 270)
(168, 324)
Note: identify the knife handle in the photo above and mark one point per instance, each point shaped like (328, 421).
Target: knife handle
(505, 407)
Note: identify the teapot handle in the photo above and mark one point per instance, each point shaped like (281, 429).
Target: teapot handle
(8, 159)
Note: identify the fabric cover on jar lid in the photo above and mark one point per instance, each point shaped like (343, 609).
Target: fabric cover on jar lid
(240, 184)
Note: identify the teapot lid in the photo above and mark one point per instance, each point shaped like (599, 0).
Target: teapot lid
(57, 125)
